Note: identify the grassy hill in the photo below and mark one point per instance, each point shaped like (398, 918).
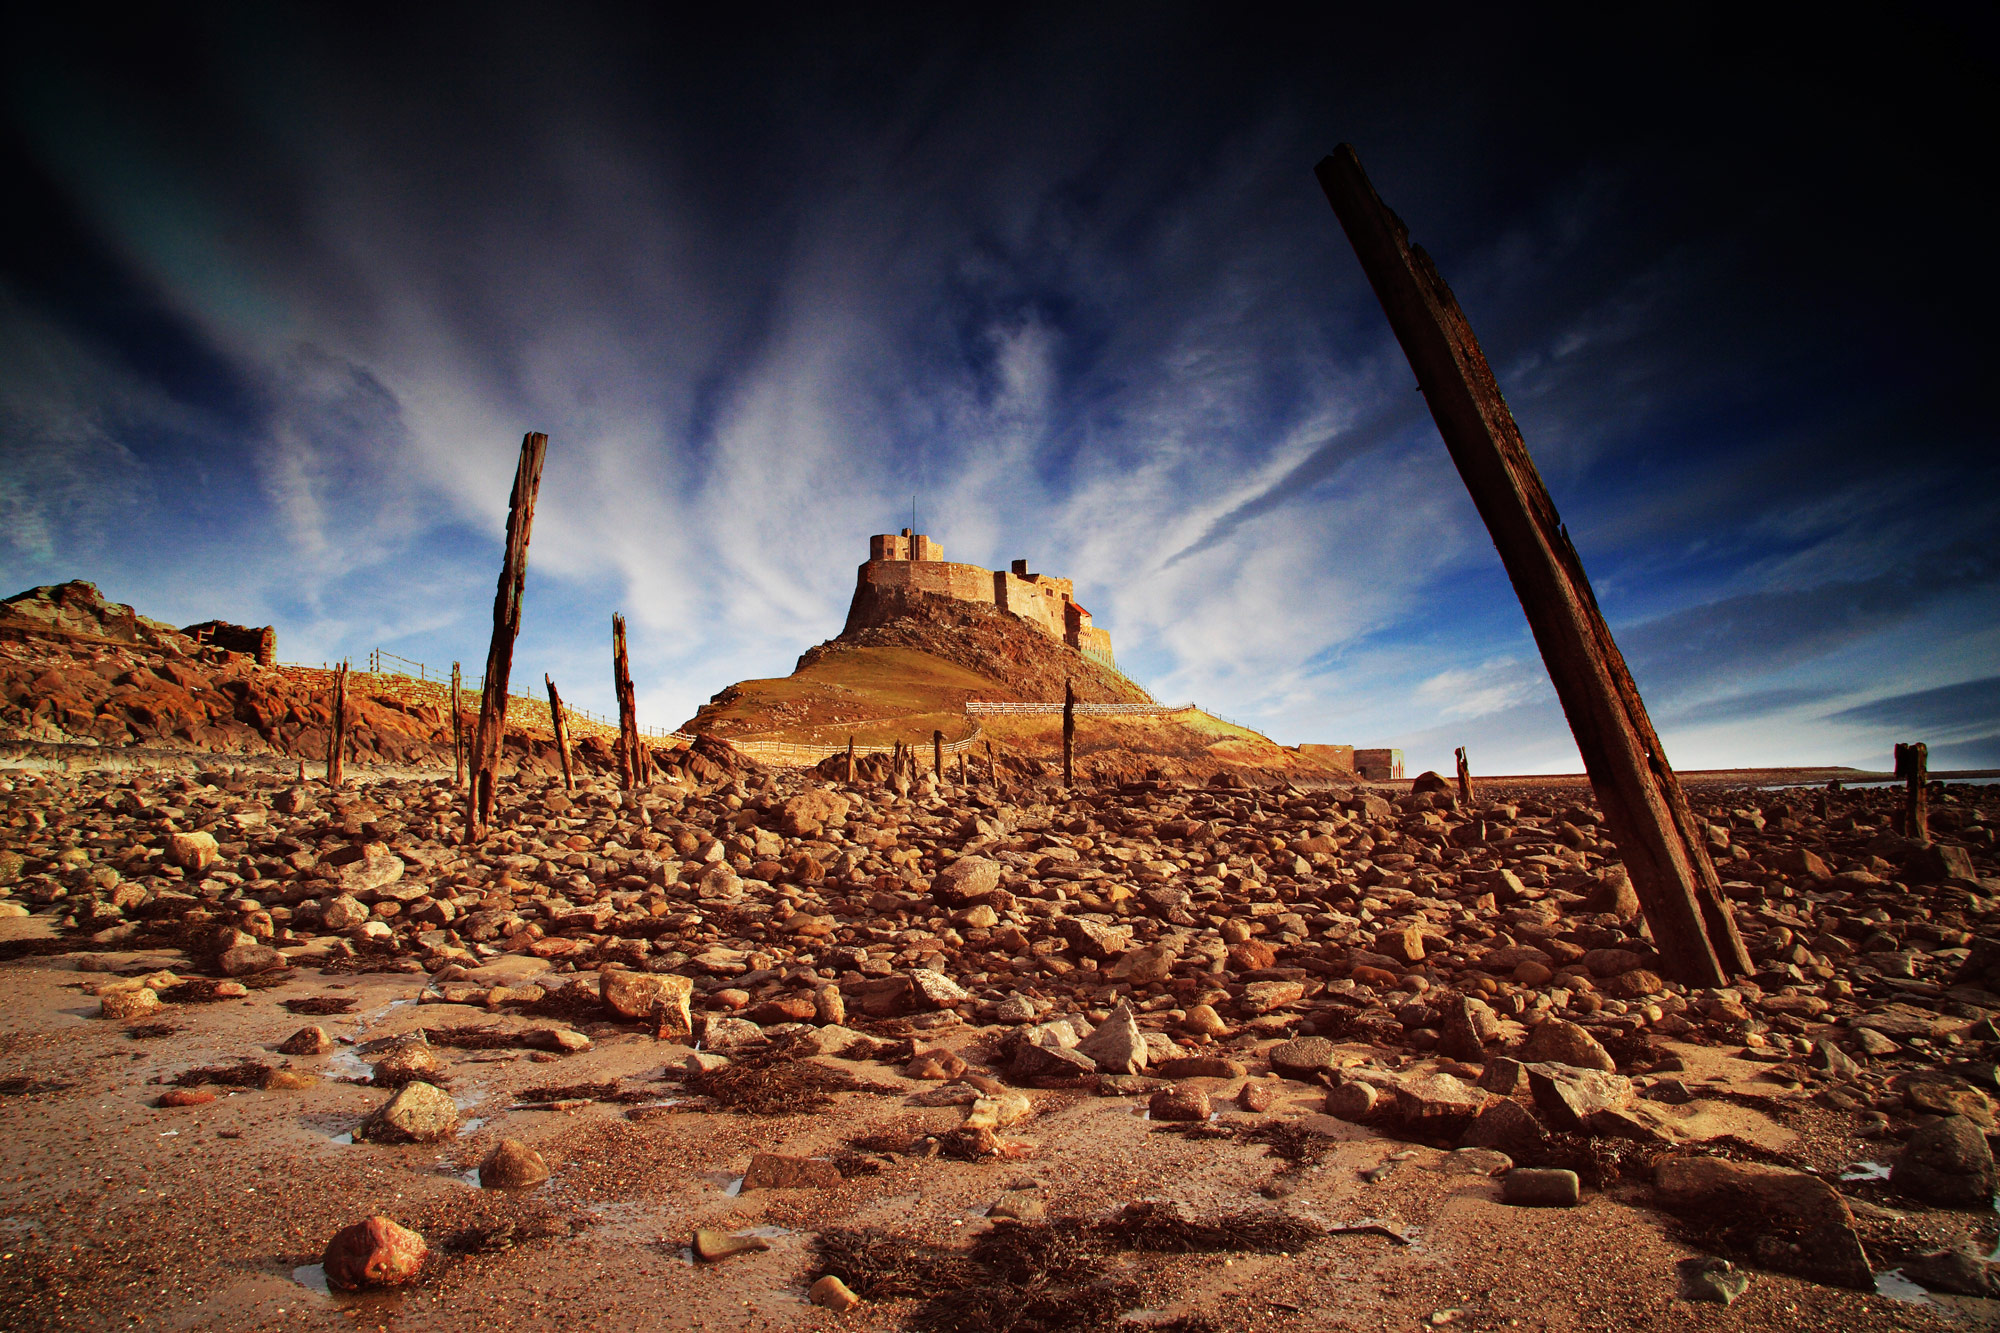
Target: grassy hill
(904, 679)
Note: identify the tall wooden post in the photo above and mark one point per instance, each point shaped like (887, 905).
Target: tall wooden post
(992, 767)
(1069, 734)
(486, 741)
(336, 742)
(560, 725)
(850, 759)
(1913, 766)
(630, 760)
(1644, 808)
(937, 754)
(1464, 777)
(457, 732)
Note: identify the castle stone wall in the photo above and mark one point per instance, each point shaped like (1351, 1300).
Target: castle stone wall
(1037, 599)
(967, 583)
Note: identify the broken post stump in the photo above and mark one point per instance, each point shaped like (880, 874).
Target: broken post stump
(560, 726)
(937, 755)
(492, 730)
(1069, 734)
(1464, 777)
(1644, 807)
(457, 732)
(1913, 766)
(630, 762)
(336, 741)
(850, 759)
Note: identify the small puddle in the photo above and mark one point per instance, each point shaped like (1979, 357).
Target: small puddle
(1866, 1171)
(732, 1185)
(470, 1125)
(313, 1278)
(345, 1140)
(1899, 1288)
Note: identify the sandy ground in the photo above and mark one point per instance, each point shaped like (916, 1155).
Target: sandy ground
(115, 1214)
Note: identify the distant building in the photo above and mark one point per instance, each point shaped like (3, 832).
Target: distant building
(1333, 756)
(911, 562)
(1379, 765)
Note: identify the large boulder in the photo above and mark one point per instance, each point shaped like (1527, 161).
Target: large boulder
(966, 881)
(1804, 1225)
(1946, 1162)
(1569, 1097)
(660, 997)
(374, 1253)
(418, 1113)
(1118, 1046)
(1558, 1041)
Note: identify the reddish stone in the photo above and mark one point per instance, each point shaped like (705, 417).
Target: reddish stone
(374, 1253)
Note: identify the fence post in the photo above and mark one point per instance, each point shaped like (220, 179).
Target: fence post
(1913, 766)
(1644, 807)
(1464, 777)
(1069, 734)
(506, 627)
(457, 732)
(336, 745)
(557, 725)
(629, 754)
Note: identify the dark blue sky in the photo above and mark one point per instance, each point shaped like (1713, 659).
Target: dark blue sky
(281, 289)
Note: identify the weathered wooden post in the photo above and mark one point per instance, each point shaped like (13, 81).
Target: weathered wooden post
(850, 759)
(485, 759)
(1069, 734)
(336, 743)
(937, 754)
(560, 726)
(1644, 808)
(457, 733)
(992, 767)
(629, 760)
(1464, 778)
(1913, 766)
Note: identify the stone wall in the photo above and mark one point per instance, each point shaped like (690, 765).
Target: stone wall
(1037, 599)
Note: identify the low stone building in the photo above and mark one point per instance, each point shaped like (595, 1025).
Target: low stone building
(1379, 765)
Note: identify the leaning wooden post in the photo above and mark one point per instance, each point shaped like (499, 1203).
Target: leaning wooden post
(560, 725)
(992, 767)
(1644, 808)
(1913, 766)
(629, 770)
(457, 732)
(1464, 777)
(1069, 734)
(492, 730)
(937, 754)
(850, 759)
(336, 743)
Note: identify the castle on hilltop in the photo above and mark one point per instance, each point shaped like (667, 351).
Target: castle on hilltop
(910, 562)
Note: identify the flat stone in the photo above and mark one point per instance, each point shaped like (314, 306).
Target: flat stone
(1263, 997)
(775, 1171)
(1304, 1057)
(711, 1246)
(245, 960)
(124, 1005)
(1428, 1098)
(1475, 1162)
(832, 1294)
(1201, 1066)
